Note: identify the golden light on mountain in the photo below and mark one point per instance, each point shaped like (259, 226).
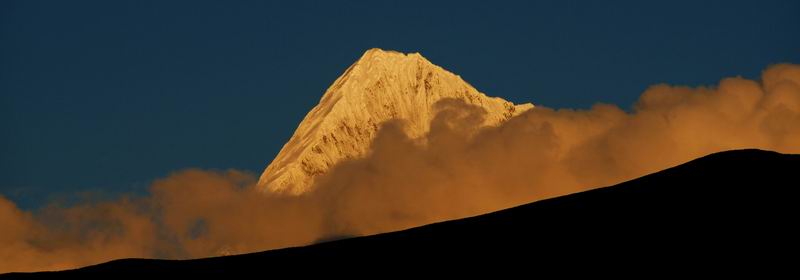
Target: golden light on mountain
(380, 86)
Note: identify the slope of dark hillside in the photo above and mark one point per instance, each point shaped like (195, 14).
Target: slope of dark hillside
(730, 208)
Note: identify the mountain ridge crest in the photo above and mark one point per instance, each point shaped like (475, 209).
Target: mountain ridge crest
(380, 86)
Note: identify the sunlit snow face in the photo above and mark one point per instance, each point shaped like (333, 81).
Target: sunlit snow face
(380, 86)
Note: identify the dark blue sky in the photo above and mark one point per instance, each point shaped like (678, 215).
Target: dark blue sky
(105, 96)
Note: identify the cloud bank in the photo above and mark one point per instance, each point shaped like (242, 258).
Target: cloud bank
(456, 170)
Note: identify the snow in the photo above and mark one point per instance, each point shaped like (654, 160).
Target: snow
(380, 86)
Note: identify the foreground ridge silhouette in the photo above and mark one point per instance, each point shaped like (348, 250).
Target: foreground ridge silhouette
(729, 208)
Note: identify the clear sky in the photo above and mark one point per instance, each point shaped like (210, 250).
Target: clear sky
(105, 96)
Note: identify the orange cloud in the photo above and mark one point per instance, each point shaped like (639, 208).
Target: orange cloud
(456, 170)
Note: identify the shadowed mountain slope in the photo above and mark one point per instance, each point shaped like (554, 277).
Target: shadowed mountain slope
(728, 208)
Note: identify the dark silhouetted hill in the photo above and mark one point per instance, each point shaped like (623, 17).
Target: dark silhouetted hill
(729, 210)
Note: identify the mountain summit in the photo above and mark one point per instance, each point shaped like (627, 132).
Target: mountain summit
(380, 86)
